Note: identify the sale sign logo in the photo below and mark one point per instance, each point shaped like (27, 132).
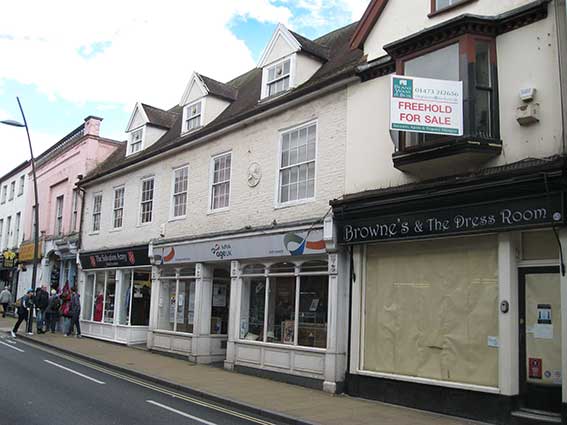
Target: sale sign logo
(424, 105)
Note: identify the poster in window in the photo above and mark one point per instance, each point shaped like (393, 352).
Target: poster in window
(180, 307)
(172, 308)
(288, 329)
(219, 295)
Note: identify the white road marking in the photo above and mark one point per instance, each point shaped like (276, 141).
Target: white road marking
(179, 412)
(12, 347)
(73, 371)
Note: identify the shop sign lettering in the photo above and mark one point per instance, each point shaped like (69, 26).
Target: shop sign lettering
(516, 213)
(119, 258)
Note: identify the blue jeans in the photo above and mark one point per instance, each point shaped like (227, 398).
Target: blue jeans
(40, 320)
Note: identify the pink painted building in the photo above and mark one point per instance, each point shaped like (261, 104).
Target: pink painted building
(60, 203)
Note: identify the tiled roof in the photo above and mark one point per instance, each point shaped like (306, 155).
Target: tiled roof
(311, 47)
(159, 117)
(219, 89)
(342, 62)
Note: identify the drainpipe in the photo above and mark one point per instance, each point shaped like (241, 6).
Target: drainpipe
(80, 238)
(561, 25)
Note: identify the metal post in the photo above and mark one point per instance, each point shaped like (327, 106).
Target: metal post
(36, 217)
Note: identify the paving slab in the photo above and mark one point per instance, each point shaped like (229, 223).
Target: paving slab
(298, 404)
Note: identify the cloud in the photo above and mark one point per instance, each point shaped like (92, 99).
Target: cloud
(17, 141)
(124, 51)
(118, 52)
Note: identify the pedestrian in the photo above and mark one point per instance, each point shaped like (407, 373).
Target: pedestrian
(52, 311)
(75, 312)
(25, 310)
(65, 310)
(41, 301)
(5, 297)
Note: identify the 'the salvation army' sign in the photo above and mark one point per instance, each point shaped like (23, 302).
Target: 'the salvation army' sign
(424, 105)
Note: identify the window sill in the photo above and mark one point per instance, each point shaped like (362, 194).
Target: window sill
(173, 333)
(449, 8)
(94, 233)
(144, 224)
(193, 130)
(117, 229)
(218, 210)
(282, 346)
(275, 96)
(173, 219)
(294, 203)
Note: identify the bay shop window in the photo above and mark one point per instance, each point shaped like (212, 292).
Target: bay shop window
(118, 297)
(285, 303)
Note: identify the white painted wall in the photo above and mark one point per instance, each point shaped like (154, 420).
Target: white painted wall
(138, 119)
(403, 18)
(259, 143)
(305, 67)
(280, 49)
(369, 148)
(152, 134)
(11, 207)
(213, 108)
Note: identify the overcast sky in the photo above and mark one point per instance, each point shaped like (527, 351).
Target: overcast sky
(70, 59)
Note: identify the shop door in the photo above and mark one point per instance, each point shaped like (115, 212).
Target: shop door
(540, 338)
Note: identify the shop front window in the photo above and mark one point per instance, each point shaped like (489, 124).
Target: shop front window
(110, 297)
(285, 305)
(87, 310)
(176, 304)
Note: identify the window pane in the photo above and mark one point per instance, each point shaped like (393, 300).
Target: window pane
(87, 310)
(253, 308)
(166, 305)
(281, 310)
(124, 315)
(482, 65)
(482, 125)
(253, 269)
(99, 297)
(441, 64)
(186, 306)
(109, 300)
(440, 4)
(313, 296)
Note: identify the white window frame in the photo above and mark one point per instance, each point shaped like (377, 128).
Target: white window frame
(140, 209)
(75, 208)
(201, 116)
(59, 204)
(1, 232)
(4, 193)
(17, 225)
(21, 185)
(265, 71)
(141, 130)
(172, 215)
(211, 182)
(115, 208)
(12, 190)
(277, 203)
(8, 230)
(96, 213)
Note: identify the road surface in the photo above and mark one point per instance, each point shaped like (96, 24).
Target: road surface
(42, 387)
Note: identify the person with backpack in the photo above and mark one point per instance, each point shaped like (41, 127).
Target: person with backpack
(75, 311)
(41, 301)
(25, 310)
(5, 297)
(52, 311)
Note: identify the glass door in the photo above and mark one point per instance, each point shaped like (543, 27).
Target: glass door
(540, 338)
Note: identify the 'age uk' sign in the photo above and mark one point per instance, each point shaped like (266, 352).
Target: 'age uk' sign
(424, 105)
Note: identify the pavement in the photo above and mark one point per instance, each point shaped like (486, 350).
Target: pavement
(274, 400)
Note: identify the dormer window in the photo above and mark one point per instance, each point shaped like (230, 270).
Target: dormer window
(136, 141)
(193, 116)
(278, 77)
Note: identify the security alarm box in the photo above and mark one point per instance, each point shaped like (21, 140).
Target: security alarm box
(527, 114)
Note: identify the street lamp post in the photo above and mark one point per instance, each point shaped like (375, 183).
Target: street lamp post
(36, 204)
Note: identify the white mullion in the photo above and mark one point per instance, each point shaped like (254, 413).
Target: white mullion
(104, 296)
(131, 297)
(94, 297)
(176, 301)
(266, 306)
(296, 312)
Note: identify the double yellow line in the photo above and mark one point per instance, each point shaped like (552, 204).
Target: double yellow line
(154, 387)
